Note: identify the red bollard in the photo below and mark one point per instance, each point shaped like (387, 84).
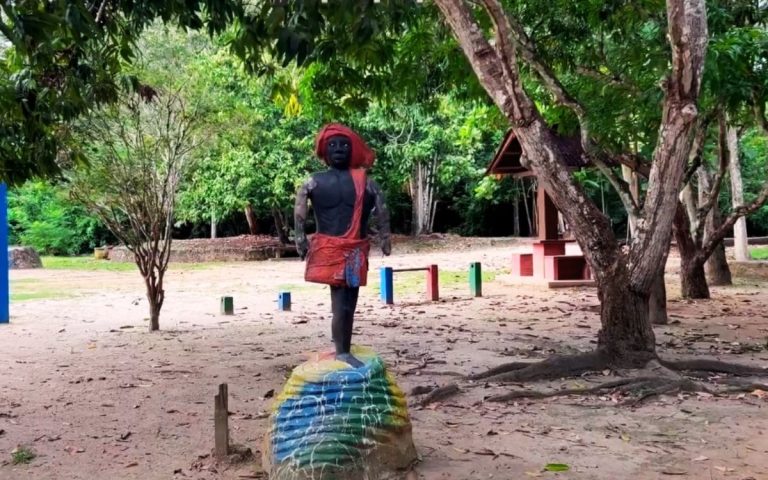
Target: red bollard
(433, 289)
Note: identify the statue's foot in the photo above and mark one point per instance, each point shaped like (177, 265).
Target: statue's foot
(349, 359)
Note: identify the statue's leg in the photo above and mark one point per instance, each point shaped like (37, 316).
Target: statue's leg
(343, 304)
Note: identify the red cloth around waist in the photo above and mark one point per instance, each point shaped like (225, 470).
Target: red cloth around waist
(337, 261)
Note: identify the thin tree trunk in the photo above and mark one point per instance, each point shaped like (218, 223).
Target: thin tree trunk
(740, 241)
(213, 226)
(631, 179)
(527, 209)
(692, 278)
(516, 214)
(718, 271)
(250, 217)
(282, 234)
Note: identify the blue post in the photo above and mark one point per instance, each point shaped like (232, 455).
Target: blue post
(387, 287)
(284, 301)
(4, 280)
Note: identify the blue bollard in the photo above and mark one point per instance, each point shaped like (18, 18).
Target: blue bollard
(284, 301)
(387, 286)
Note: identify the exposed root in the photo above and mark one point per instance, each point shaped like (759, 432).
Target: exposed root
(715, 366)
(504, 368)
(440, 394)
(553, 367)
(741, 384)
(559, 393)
(657, 377)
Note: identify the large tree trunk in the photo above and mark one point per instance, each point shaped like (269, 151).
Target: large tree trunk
(626, 332)
(250, 217)
(740, 241)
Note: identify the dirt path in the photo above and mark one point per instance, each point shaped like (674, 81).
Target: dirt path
(95, 396)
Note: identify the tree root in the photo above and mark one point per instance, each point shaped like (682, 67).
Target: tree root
(553, 367)
(660, 377)
(504, 368)
(714, 366)
(440, 393)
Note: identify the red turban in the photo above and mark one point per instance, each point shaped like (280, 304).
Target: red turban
(362, 155)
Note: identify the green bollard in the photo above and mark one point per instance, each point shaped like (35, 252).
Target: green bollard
(227, 306)
(475, 279)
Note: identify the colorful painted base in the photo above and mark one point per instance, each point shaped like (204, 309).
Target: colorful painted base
(336, 422)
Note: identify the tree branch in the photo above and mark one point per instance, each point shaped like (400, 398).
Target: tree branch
(688, 36)
(714, 193)
(528, 52)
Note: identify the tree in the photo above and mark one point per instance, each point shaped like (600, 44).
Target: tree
(67, 57)
(736, 88)
(139, 149)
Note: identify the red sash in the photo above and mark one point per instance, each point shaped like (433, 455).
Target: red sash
(341, 261)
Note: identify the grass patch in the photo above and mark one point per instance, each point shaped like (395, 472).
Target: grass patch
(407, 283)
(759, 253)
(91, 264)
(38, 295)
(33, 289)
(86, 264)
(22, 455)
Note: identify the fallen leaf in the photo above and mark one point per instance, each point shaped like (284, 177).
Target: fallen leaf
(556, 467)
(674, 472)
(132, 464)
(700, 458)
(125, 436)
(73, 450)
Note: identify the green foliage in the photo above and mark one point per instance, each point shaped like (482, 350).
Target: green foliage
(759, 253)
(67, 57)
(754, 151)
(43, 217)
(22, 455)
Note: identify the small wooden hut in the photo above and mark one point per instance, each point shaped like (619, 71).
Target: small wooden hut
(548, 263)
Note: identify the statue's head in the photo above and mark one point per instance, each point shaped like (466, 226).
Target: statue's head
(341, 148)
(338, 152)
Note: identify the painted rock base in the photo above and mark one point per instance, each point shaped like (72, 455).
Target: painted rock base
(336, 422)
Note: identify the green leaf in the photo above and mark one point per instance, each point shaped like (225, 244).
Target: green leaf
(556, 467)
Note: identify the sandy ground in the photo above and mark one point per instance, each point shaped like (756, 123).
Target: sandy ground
(97, 397)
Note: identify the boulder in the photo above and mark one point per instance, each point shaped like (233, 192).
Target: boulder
(23, 257)
(336, 422)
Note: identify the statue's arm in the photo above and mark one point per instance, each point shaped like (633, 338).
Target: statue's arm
(381, 214)
(300, 216)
